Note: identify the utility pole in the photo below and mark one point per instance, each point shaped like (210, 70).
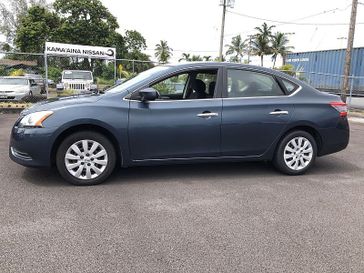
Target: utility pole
(349, 49)
(224, 4)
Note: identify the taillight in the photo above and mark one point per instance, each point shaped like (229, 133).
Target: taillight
(341, 107)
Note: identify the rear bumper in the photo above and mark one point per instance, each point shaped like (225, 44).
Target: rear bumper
(335, 139)
(31, 147)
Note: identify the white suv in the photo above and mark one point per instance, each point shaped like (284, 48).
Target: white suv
(80, 81)
(16, 88)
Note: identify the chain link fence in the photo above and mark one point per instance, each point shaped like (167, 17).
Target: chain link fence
(105, 73)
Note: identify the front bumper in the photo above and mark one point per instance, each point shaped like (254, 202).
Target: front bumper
(12, 96)
(31, 147)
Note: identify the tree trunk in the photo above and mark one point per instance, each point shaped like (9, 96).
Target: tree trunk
(274, 62)
(261, 60)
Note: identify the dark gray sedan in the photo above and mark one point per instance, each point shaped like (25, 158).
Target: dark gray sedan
(196, 112)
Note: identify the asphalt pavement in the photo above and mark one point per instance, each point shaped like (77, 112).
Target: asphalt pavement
(228, 217)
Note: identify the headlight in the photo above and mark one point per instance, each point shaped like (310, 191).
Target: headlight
(35, 119)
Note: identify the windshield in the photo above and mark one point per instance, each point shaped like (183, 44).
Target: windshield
(79, 75)
(142, 76)
(13, 81)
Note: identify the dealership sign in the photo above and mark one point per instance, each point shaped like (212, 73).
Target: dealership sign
(80, 51)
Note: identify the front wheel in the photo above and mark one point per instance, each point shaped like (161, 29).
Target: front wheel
(295, 153)
(86, 158)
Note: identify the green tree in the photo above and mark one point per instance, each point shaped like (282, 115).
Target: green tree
(280, 47)
(134, 41)
(11, 14)
(260, 47)
(36, 27)
(163, 52)
(236, 48)
(185, 57)
(261, 41)
(207, 58)
(85, 22)
(196, 58)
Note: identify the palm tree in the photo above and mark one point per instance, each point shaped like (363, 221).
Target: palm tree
(185, 57)
(261, 42)
(280, 47)
(207, 58)
(260, 47)
(163, 52)
(237, 48)
(196, 58)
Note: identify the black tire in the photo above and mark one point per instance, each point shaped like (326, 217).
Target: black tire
(279, 161)
(85, 135)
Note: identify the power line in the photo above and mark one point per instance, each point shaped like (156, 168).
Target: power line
(302, 18)
(292, 22)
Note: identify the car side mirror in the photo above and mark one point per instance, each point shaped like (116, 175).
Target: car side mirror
(148, 94)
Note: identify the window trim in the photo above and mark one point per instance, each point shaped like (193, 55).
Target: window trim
(218, 88)
(280, 80)
(276, 78)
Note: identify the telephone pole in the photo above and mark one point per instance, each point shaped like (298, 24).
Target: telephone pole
(349, 50)
(224, 4)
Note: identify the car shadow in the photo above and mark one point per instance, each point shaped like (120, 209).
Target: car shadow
(190, 173)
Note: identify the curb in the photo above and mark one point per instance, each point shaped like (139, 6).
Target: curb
(357, 119)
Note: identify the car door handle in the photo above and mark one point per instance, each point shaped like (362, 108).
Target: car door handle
(207, 115)
(278, 112)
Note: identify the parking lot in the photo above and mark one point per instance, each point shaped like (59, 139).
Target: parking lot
(228, 217)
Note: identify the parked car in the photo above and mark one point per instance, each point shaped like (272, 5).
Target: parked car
(39, 80)
(225, 112)
(80, 81)
(16, 88)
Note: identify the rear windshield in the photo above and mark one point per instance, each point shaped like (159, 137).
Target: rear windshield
(79, 75)
(16, 81)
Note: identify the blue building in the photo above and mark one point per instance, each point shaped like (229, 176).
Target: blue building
(324, 69)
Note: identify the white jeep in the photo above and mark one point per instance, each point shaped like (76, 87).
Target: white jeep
(80, 81)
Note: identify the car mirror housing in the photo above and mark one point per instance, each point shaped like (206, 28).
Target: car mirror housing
(147, 94)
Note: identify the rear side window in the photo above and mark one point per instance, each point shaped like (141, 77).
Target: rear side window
(251, 84)
(290, 87)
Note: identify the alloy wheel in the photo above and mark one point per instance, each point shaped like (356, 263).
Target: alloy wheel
(86, 159)
(298, 153)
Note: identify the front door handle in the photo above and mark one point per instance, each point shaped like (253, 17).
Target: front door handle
(278, 113)
(207, 115)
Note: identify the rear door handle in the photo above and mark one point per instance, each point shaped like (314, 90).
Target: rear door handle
(278, 112)
(207, 115)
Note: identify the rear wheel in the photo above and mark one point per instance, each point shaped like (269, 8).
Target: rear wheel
(86, 158)
(295, 153)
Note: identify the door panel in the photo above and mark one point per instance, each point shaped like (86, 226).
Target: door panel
(250, 126)
(174, 129)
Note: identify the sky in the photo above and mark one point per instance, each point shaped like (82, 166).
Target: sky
(193, 26)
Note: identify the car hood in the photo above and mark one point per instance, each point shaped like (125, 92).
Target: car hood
(15, 88)
(57, 103)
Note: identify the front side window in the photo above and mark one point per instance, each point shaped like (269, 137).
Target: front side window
(172, 86)
(243, 83)
(188, 85)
